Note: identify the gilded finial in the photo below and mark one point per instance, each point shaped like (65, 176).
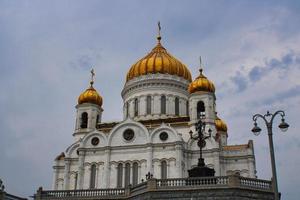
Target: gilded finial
(92, 77)
(159, 28)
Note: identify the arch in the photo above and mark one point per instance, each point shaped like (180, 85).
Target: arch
(148, 105)
(187, 108)
(128, 123)
(71, 149)
(136, 107)
(173, 135)
(135, 168)
(163, 104)
(200, 109)
(176, 106)
(127, 109)
(119, 175)
(127, 174)
(163, 168)
(97, 120)
(102, 136)
(93, 176)
(84, 120)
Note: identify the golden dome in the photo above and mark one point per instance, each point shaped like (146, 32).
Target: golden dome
(159, 61)
(90, 95)
(220, 125)
(201, 83)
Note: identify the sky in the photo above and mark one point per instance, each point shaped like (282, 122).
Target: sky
(250, 50)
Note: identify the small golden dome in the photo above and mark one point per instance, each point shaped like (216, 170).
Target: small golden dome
(201, 83)
(220, 125)
(90, 95)
(159, 61)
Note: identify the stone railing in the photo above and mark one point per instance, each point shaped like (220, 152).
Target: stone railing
(255, 183)
(193, 182)
(153, 185)
(69, 194)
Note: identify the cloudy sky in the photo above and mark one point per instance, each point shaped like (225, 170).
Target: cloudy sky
(250, 50)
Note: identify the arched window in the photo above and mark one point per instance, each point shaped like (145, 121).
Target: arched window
(136, 107)
(200, 109)
(84, 120)
(93, 177)
(135, 169)
(97, 120)
(127, 174)
(163, 103)
(187, 108)
(120, 175)
(163, 166)
(148, 105)
(176, 106)
(127, 109)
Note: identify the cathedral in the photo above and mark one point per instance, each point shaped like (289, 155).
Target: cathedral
(161, 105)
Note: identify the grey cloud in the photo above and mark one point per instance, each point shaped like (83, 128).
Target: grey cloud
(284, 63)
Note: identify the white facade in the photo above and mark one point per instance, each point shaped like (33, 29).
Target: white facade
(158, 114)
(146, 149)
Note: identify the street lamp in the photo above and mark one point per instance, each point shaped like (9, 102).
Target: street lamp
(256, 131)
(201, 170)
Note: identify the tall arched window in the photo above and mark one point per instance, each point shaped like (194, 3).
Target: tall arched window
(176, 106)
(136, 107)
(127, 109)
(97, 120)
(200, 109)
(163, 166)
(127, 174)
(93, 177)
(163, 103)
(187, 107)
(84, 120)
(135, 168)
(120, 175)
(148, 105)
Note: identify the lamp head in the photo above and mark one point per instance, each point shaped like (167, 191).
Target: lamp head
(256, 129)
(283, 125)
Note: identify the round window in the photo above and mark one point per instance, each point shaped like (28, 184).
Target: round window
(128, 134)
(163, 136)
(95, 141)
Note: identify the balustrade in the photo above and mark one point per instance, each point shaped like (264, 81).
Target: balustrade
(158, 184)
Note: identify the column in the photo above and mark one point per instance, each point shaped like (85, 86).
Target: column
(107, 169)
(142, 105)
(55, 177)
(179, 158)
(149, 159)
(139, 173)
(80, 170)
(67, 175)
(124, 171)
(217, 163)
(96, 178)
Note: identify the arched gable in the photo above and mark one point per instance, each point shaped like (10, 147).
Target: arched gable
(141, 134)
(71, 151)
(173, 136)
(87, 140)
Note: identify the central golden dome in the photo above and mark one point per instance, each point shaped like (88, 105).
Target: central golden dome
(158, 61)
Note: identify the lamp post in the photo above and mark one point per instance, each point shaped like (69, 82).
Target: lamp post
(201, 170)
(269, 123)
